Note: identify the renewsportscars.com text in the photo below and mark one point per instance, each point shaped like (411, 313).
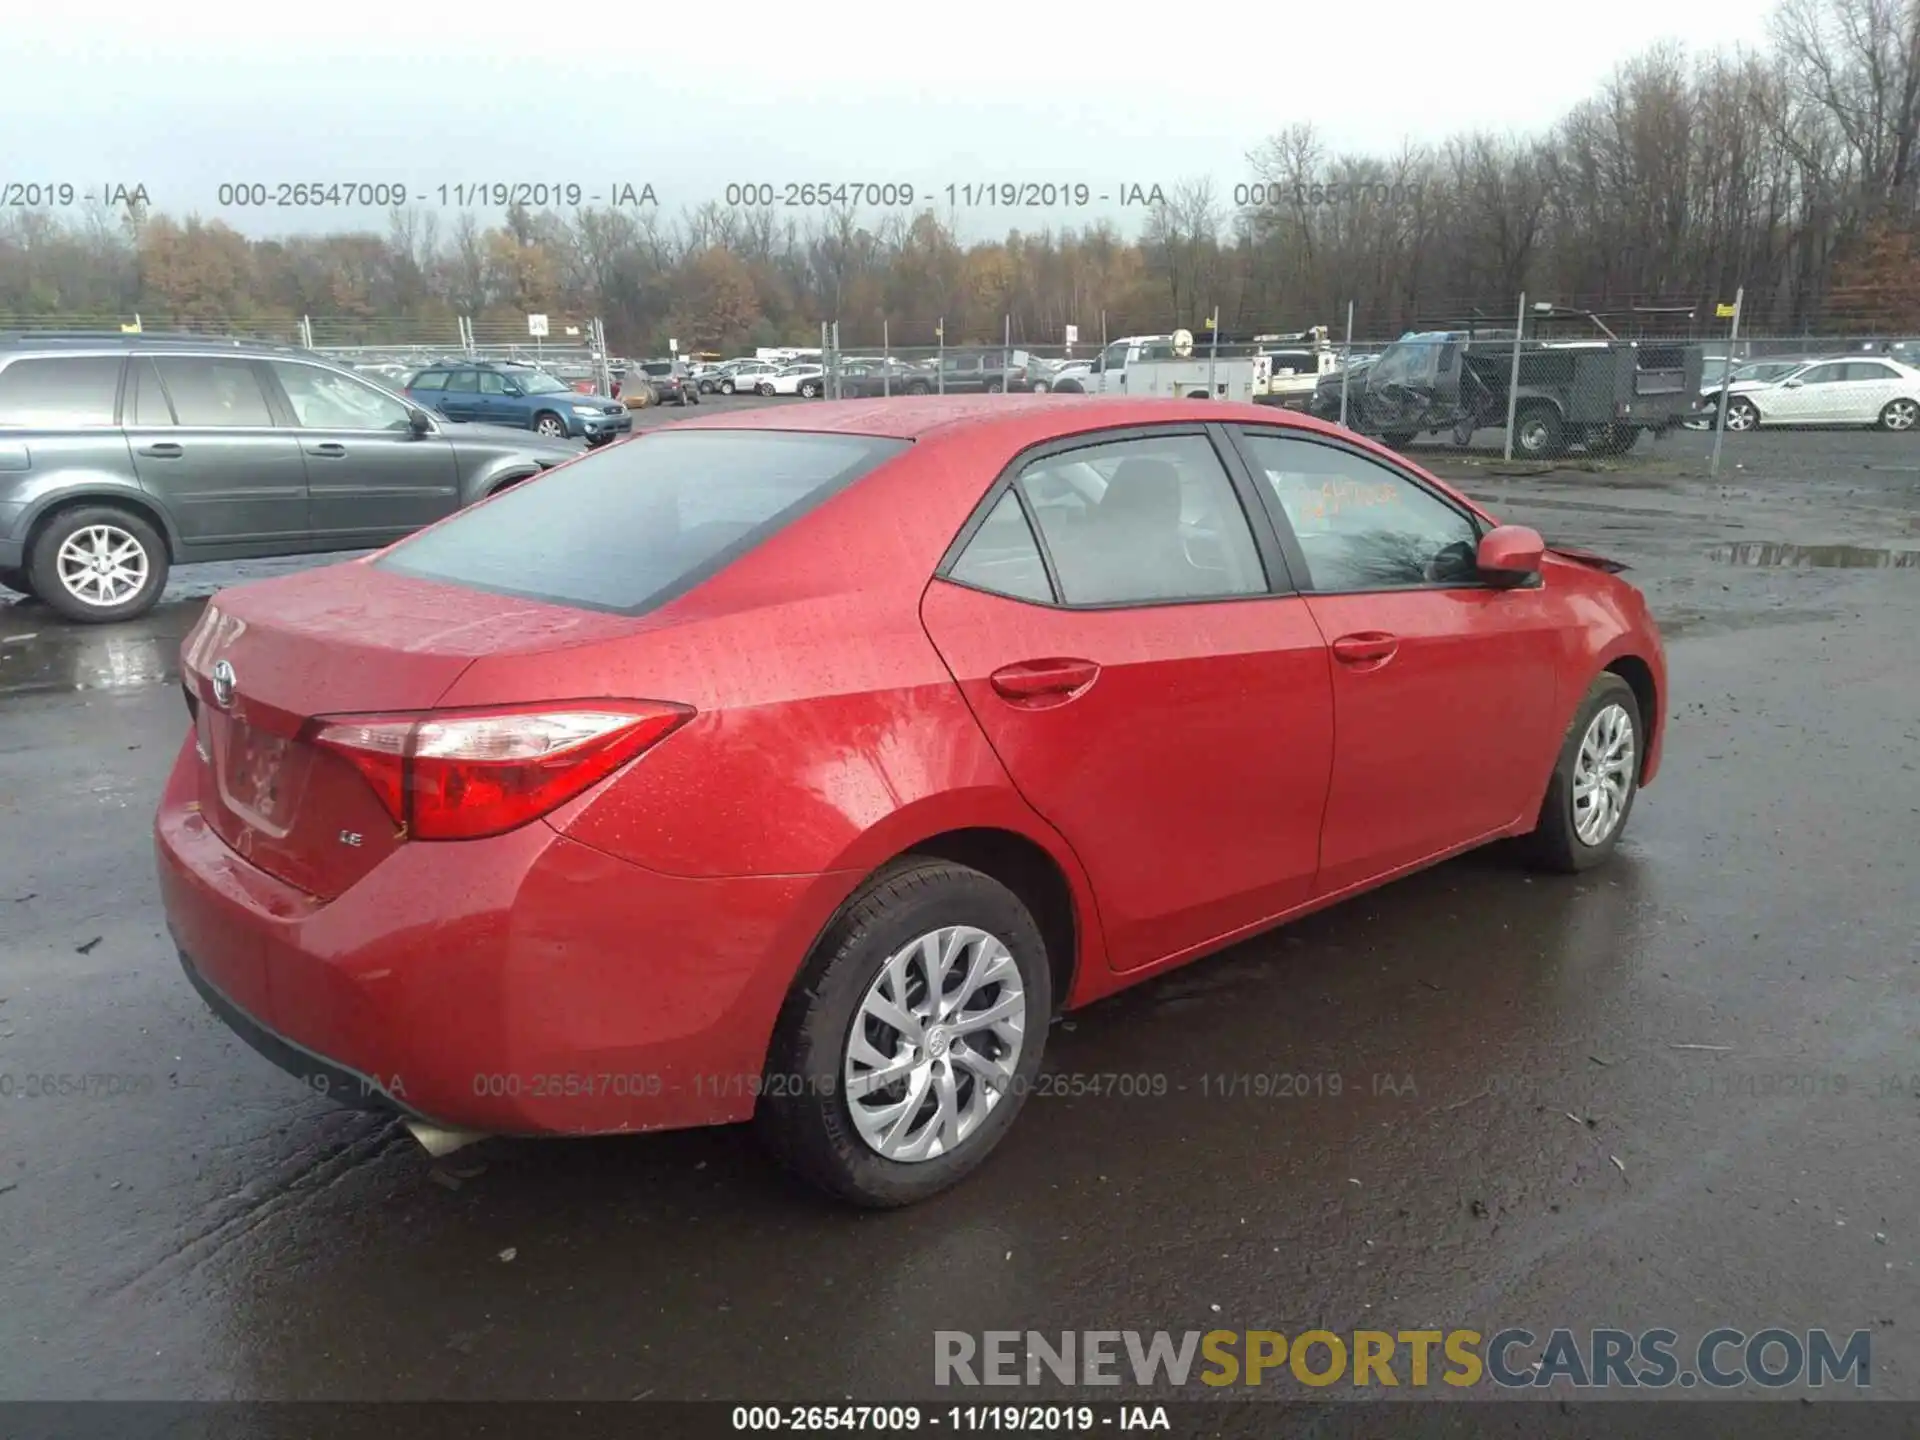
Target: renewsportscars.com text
(1772, 1357)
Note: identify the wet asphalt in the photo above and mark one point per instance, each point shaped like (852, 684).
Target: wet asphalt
(1680, 1091)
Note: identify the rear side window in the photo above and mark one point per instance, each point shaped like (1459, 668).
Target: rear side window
(464, 380)
(68, 390)
(429, 380)
(630, 528)
(214, 391)
(1003, 556)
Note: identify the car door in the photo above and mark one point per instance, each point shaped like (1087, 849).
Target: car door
(490, 401)
(1444, 685)
(1869, 385)
(1133, 651)
(370, 477)
(206, 441)
(461, 399)
(1816, 396)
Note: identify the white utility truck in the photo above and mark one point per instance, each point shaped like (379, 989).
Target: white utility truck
(1172, 367)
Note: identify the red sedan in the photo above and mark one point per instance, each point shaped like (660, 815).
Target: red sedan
(803, 768)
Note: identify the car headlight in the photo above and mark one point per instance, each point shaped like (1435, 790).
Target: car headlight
(586, 411)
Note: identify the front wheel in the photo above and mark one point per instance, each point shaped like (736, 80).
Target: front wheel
(1040, 387)
(1594, 780)
(809, 389)
(726, 387)
(994, 387)
(99, 563)
(1900, 414)
(919, 387)
(1742, 414)
(549, 425)
(909, 1044)
(765, 389)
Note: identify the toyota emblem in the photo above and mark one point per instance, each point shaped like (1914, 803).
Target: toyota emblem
(223, 683)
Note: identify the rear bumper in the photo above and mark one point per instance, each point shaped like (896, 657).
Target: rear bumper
(524, 985)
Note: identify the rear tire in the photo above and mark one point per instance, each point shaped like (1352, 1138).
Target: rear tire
(765, 390)
(726, 387)
(1899, 415)
(1571, 835)
(809, 389)
(62, 573)
(808, 1119)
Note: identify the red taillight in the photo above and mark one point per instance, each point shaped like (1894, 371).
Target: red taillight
(464, 774)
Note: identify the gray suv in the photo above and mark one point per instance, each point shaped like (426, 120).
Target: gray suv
(122, 455)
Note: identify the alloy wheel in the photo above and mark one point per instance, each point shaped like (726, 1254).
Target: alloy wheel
(1900, 415)
(1603, 775)
(102, 565)
(935, 1044)
(550, 427)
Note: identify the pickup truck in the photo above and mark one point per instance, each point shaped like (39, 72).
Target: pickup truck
(1600, 394)
(1296, 364)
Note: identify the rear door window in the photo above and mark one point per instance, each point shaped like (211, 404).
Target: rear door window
(59, 392)
(429, 380)
(214, 391)
(632, 527)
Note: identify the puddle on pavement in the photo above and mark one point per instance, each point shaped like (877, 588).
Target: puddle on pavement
(1815, 557)
(39, 652)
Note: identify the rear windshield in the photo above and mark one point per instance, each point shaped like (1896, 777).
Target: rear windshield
(630, 528)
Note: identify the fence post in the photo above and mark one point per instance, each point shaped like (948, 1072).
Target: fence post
(1346, 365)
(1006, 358)
(1513, 380)
(940, 355)
(1213, 350)
(886, 358)
(1726, 386)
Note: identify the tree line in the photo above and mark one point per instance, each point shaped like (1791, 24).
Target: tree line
(1789, 170)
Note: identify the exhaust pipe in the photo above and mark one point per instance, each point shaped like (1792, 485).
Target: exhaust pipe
(440, 1143)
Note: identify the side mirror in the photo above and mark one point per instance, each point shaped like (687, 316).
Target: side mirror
(1510, 552)
(1793, 384)
(419, 422)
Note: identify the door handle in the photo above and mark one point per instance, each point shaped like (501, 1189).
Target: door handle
(330, 450)
(1365, 648)
(166, 450)
(1032, 679)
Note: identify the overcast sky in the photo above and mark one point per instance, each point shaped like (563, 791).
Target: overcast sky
(692, 97)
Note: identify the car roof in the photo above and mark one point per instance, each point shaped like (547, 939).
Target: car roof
(916, 417)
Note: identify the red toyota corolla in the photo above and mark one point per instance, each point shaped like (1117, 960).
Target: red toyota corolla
(802, 766)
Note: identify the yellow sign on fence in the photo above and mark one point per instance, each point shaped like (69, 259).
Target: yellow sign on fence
(1723, 311)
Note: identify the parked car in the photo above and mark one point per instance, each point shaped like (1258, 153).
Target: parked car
(502, 393)
(670, 382)
(1259, 667)
(884, 378)
(964, 372)
(121, 456)
(745, 378)
(1882, 394)
(805, 380)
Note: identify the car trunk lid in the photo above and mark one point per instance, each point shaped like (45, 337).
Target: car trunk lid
(266, 660)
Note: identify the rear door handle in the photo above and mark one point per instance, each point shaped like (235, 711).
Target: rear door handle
(330, 450)
(1366, 647)
(166, 450)
(1032, 679)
